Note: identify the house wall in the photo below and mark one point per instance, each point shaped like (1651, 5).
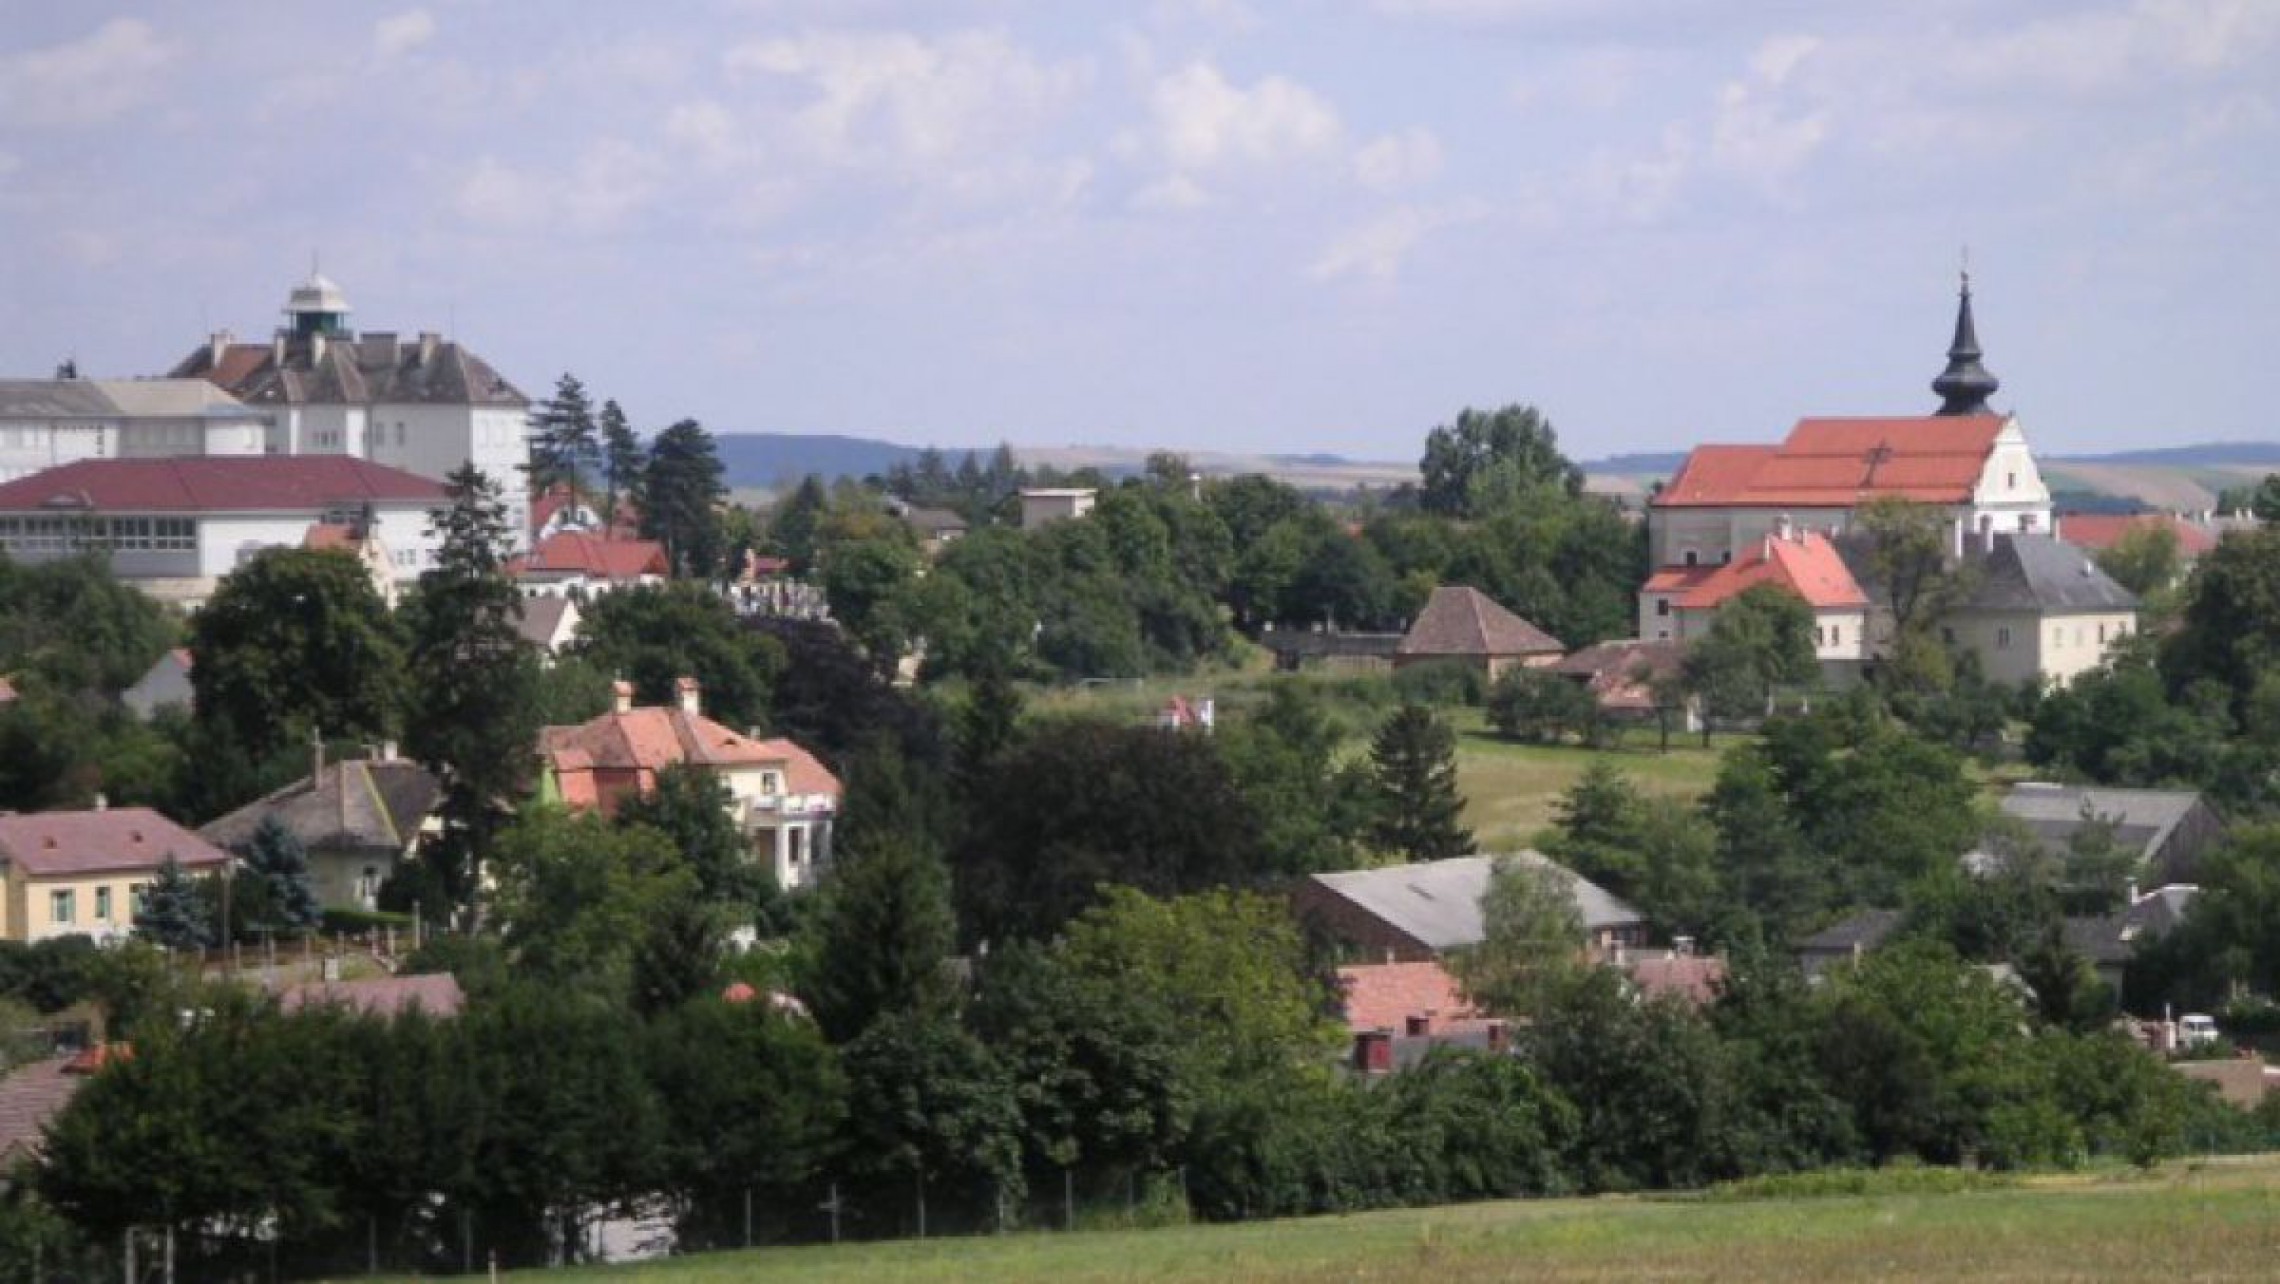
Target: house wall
(31, 913)
(2010, 495)
(350, 878)
(1361, 935)
(2025, 646)
(2179, 859)
(435, 440)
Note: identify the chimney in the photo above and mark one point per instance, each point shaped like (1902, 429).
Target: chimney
(316, 349)
(1499, 1036)
(429, 342)
(690, 695)
(1373, 1052)
(104, 804)
(1784, 529)
(387, 751)
(1419, 1025)
(1682, 946)
(316, 753)
(376, 348)
(218, 346)
(277, 349)
(621, 696)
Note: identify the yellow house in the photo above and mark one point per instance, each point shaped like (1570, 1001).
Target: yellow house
(82, 873)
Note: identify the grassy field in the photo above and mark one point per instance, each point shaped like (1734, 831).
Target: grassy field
(1510, 789)
(2214, 1222)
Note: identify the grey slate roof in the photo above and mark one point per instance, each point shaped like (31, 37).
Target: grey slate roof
(118, 399)
(2110, 940)
(1865, 930)
(1437, 903)
(2042, 573)
(355, 805)
(541, 616)
(2144, 818)
(358, 371)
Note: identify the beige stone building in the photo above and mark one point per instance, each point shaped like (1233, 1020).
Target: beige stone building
(83, 873)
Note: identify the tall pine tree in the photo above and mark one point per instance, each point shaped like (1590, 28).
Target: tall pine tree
(1413, 762)
(881, 941)
(564, 446)
(621, 461)
(474, 715)
(681, 490)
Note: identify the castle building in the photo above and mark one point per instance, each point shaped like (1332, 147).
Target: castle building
(425, 405)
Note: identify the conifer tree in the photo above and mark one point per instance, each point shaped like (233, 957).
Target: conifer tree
(1413, 762)
(621, 460)
(880, 942)
(474, 713)
(564, 445)
(681, 490)
(173, 914)
(277, 863)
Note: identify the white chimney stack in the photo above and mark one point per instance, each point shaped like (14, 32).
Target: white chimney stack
(690, 695)
(621, 696)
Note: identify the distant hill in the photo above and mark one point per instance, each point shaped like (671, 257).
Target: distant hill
(2214, 454)
(767, 459)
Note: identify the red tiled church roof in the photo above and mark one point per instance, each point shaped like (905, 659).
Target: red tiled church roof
(1837, 463)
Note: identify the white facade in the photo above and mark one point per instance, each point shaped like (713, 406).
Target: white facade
(47, 423)
(180, 557)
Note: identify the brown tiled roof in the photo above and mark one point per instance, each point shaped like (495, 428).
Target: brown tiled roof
(216, 484)
(2098, 532)
(1612, 670)
(1467, 622)
(437, 994)
(354, 805)
(49, 843)
(33, 1094)
(1696, 978)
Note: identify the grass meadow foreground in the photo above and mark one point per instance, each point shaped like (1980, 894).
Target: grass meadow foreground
(2219, 1221)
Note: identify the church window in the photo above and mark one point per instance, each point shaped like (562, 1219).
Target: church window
(2003, 639)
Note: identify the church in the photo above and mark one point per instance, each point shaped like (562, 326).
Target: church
(1738, 515)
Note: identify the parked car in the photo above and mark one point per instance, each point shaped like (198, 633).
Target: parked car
(2196, 1028)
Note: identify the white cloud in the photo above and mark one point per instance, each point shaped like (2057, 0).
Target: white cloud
(1202, 122)
(106, 74)
(609, 182)
(897, 100)
(1398, 160)
(401, 33)
(1750, 135)
(1377, 249)
(2134, 46)
(707, 129)
(1177, 194)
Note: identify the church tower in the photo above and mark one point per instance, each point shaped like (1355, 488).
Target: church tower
(1965, 385)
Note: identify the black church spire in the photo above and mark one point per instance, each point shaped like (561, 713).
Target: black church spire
(1965, 385)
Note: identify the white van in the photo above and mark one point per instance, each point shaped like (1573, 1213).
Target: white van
(2196, 1028)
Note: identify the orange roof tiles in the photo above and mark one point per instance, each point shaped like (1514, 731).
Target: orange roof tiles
(642, 742)
(583, 553)
(2097, 532)
(1807, 565)
(1383, 996)
(1840, 462)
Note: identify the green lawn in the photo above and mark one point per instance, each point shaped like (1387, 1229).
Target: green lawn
(2214, 1222)
(1510, 789)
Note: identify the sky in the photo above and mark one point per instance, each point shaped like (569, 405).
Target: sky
(1249, 225)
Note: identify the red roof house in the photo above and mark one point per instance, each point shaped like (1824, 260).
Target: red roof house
(2097, 532)
(1468, 625)
(69, 873)
(1807, 565)
(575, 558)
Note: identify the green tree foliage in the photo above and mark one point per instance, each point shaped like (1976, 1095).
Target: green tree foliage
(70, 626)
(1657, 853)
(1079, 804)
(575, 893)
(1541, 706)
(868, 583)
(1491, 459)
(565, 447)
(691, 807)
(2230, 939)
(880, 942)
(795, 526)
(2145, 559)
(1532, 940)
(1880, 805)
(2119, 725)
(2229, 630)
(751, 1103)
(681, 492)
(657, 634)
(292, 642)
(1760, 642)
(1413, 763)
(938, 1118)
(1284, 758)
(275, 893)
(1909, 555)
(473, 715)
(174, 914)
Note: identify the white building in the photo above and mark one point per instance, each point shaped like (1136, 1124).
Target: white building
(425, 405)
(1041, 505)
(174, 527)
(48, 422)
